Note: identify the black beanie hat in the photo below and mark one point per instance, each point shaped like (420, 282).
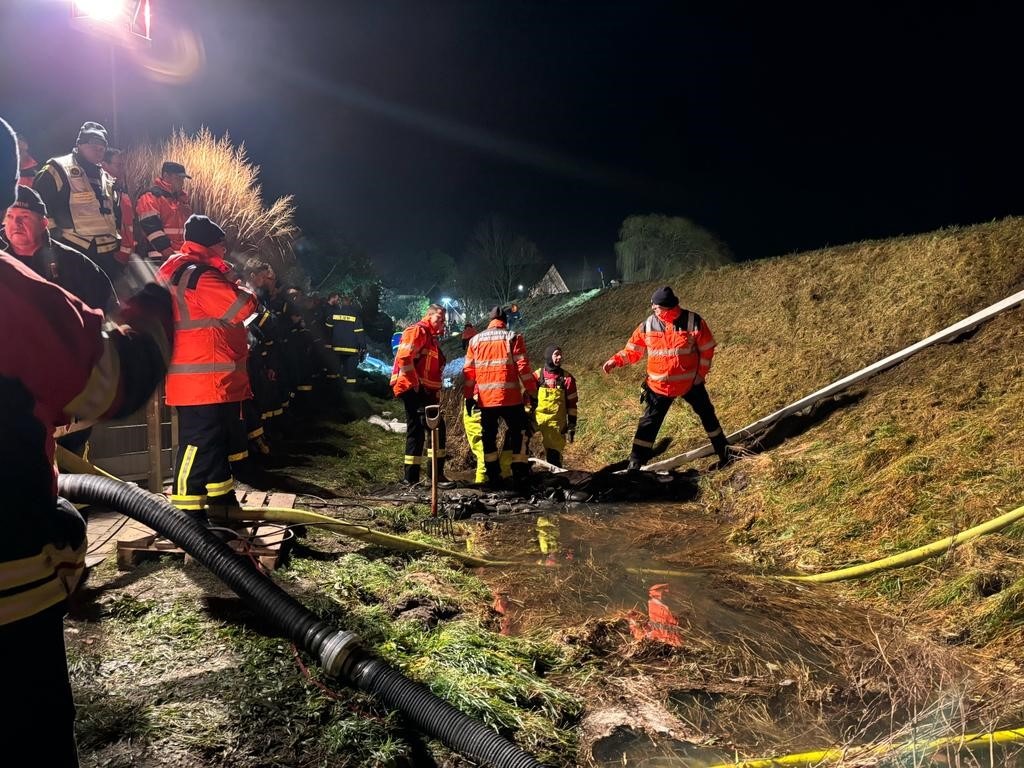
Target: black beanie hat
(30, 200)
(8, 165)
(497, 313)
(201, 230)
(92, 133)
(664, 297)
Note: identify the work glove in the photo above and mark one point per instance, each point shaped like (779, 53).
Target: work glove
(570, 435)
(362, 355)
(609, 364)
(470, 405)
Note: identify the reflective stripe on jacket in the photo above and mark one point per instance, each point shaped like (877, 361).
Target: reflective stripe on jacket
(77, 215)
(162, 216)
(57, 363)
(679, 348)
(347, 335)
(418, 361)
(211, 341)
(497, 366)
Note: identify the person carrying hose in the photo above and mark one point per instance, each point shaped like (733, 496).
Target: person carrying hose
(679, 348)
(556, 405)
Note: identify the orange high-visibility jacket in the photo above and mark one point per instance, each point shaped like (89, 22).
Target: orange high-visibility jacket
(679, 349)
(418, 361)
(127, 229)
(496, 364)
(211, 342)
(162, 216)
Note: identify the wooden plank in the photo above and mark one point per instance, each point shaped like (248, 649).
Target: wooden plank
(946, 334)
(155, 466)
(285, 500)
(253, 499)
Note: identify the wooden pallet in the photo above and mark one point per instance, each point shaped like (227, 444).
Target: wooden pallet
(267, 544)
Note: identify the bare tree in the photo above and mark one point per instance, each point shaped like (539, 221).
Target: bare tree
(652, 247)
(497, 260)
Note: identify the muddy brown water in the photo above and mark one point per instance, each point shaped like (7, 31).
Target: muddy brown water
(702, 659)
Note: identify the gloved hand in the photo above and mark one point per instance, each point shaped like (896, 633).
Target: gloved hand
(609, 364)
(470, 405)
(570, 434)
(362, 355)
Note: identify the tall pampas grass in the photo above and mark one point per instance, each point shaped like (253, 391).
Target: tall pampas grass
(224, 186)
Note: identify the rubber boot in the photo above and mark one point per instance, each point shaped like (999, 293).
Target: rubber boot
(521, 478)
(493, 470)
(551, 456)
(443, 482)
(412, 474)
(221, 507)
(721, 446)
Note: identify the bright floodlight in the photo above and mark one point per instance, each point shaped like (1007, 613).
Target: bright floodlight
(445, 301)
(520, 287)
(100, 10)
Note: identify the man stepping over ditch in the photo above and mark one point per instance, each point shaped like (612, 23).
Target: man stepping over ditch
(679, 348)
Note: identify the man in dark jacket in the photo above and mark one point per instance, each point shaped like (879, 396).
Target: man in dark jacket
(25, 235)
(348, 339)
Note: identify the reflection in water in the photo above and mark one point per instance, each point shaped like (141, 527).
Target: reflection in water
(695, 652)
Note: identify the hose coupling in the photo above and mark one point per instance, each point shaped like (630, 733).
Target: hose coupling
(336, 649)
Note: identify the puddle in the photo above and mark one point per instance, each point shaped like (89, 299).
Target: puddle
(723, 656)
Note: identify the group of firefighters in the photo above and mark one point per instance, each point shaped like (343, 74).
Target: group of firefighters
(500, 387)
(234, 351)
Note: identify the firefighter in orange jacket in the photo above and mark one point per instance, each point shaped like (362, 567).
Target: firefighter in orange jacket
(416, 380)
(163, 210)
(207, 379)
(497, 368)
(58, 361)
(679, 348)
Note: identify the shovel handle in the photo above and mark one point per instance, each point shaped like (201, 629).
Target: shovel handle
(432, 415)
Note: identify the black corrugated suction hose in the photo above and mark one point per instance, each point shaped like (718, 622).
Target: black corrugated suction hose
(339, 652)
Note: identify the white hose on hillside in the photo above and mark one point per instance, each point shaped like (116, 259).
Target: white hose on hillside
(961, 327)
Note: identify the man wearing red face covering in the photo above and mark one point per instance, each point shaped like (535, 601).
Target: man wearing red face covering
(416, 380)
(207, 379)
(679, 348)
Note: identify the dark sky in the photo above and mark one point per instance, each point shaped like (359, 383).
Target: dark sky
(403, 122)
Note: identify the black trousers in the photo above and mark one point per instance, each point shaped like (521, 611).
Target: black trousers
(210, 437)
(654, 416)
(515, 432)
(349, 366)
(416, 426)
(40, 715)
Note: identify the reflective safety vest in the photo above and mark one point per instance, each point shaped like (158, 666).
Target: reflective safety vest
(162, 215)
(497, 366)
(679, 348)
(211, 346)
(89, 222)
(418, 361)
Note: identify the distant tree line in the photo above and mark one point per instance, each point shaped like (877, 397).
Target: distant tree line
(652, 247)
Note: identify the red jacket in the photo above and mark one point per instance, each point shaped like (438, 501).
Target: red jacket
(496, 363)
(679, 348)
(127, 229)
(211, 341)
(162, 216)
(58, 363)
(418, 361)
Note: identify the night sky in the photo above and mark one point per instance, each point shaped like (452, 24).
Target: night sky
(402, 123)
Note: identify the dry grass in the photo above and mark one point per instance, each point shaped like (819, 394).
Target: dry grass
(225, 187)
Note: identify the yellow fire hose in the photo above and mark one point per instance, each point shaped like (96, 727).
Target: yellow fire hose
(914, 556)
(73, 463)
(969, 741)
